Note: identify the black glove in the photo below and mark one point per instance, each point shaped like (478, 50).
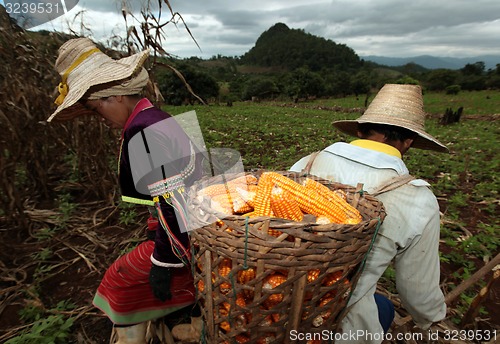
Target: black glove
(159, 278)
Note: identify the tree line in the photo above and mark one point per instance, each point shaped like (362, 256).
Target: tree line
(290, 64)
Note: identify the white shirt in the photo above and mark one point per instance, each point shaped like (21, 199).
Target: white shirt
(409, 236)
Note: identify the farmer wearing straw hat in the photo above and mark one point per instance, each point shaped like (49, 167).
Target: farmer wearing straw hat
(409, 235)
(155, 278)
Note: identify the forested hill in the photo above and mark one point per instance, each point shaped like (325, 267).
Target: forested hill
(294, 48)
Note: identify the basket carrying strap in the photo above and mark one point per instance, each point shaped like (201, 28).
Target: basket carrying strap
(392, 184)
(307, 169)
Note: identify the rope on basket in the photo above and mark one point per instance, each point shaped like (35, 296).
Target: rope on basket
(245, 257)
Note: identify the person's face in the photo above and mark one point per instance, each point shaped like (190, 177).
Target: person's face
(112, 111)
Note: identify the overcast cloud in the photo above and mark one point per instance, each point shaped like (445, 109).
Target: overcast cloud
(396, 28)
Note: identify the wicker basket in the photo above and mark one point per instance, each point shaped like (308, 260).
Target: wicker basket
(255, 287)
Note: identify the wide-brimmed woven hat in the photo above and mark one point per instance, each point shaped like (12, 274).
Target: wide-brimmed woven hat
(397, 105)
(81, 66)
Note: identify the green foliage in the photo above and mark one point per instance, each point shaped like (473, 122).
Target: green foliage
(302, 83)
(453, 89)
(128, 213)
(66, 208)
(259, 86)
(51, 330)
(176, 92)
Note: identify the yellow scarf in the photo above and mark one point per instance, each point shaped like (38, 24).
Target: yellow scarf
(377, 146)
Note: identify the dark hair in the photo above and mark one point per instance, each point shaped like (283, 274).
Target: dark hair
(391, 132)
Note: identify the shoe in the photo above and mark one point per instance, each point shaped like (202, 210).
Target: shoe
(188, 332)
(135, 334)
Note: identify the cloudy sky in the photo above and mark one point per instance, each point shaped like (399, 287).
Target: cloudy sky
(396, 28)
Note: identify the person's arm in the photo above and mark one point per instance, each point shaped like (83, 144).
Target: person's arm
(418, 268)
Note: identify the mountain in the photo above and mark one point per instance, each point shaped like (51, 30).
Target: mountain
(434, 62)
(294, 48)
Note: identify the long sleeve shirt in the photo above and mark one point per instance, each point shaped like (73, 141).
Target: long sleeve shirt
(409, 236)
(175, 153)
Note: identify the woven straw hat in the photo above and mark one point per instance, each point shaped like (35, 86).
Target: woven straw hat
(81, 66)
(397, 105)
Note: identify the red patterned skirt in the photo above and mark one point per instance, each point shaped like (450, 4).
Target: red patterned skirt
(125, 295)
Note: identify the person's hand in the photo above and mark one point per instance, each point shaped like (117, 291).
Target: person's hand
(159, 279)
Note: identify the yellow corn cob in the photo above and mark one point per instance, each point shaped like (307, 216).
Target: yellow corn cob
(309, 200)
(312, 275)
(244, 182)
(247, 195)
(222, 204)
(214, 190)
(231, 203)
(245, 276)
(240, 206)
(352, 214)
(224, 268)
(271, 282)
(263, 196)
(284, 205)
(246, 179)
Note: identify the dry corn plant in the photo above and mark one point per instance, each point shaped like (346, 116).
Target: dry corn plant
(148, 32)
(38, 159)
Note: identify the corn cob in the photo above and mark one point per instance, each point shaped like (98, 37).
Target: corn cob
(320, 319)
(244, 182)
(263, 196)
(224, 312)
(332, 278)
(284, 205)
(245, 276)
(312, 275)
(248, 195)
(230, 203)
(271, 282)
(214, 190)
(352, 214)
(221, 204)
(224, 269)
(201, 286)
(240, 206)
(309, 200)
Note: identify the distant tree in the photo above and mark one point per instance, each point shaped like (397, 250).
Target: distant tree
(439, 79)
(360, 83)
(407, 80)
(337, 83)
(453, 89)
(175, 92)
(493, 78)
(474, 68)
(472, 82)
(303, 83)
(259, 86)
